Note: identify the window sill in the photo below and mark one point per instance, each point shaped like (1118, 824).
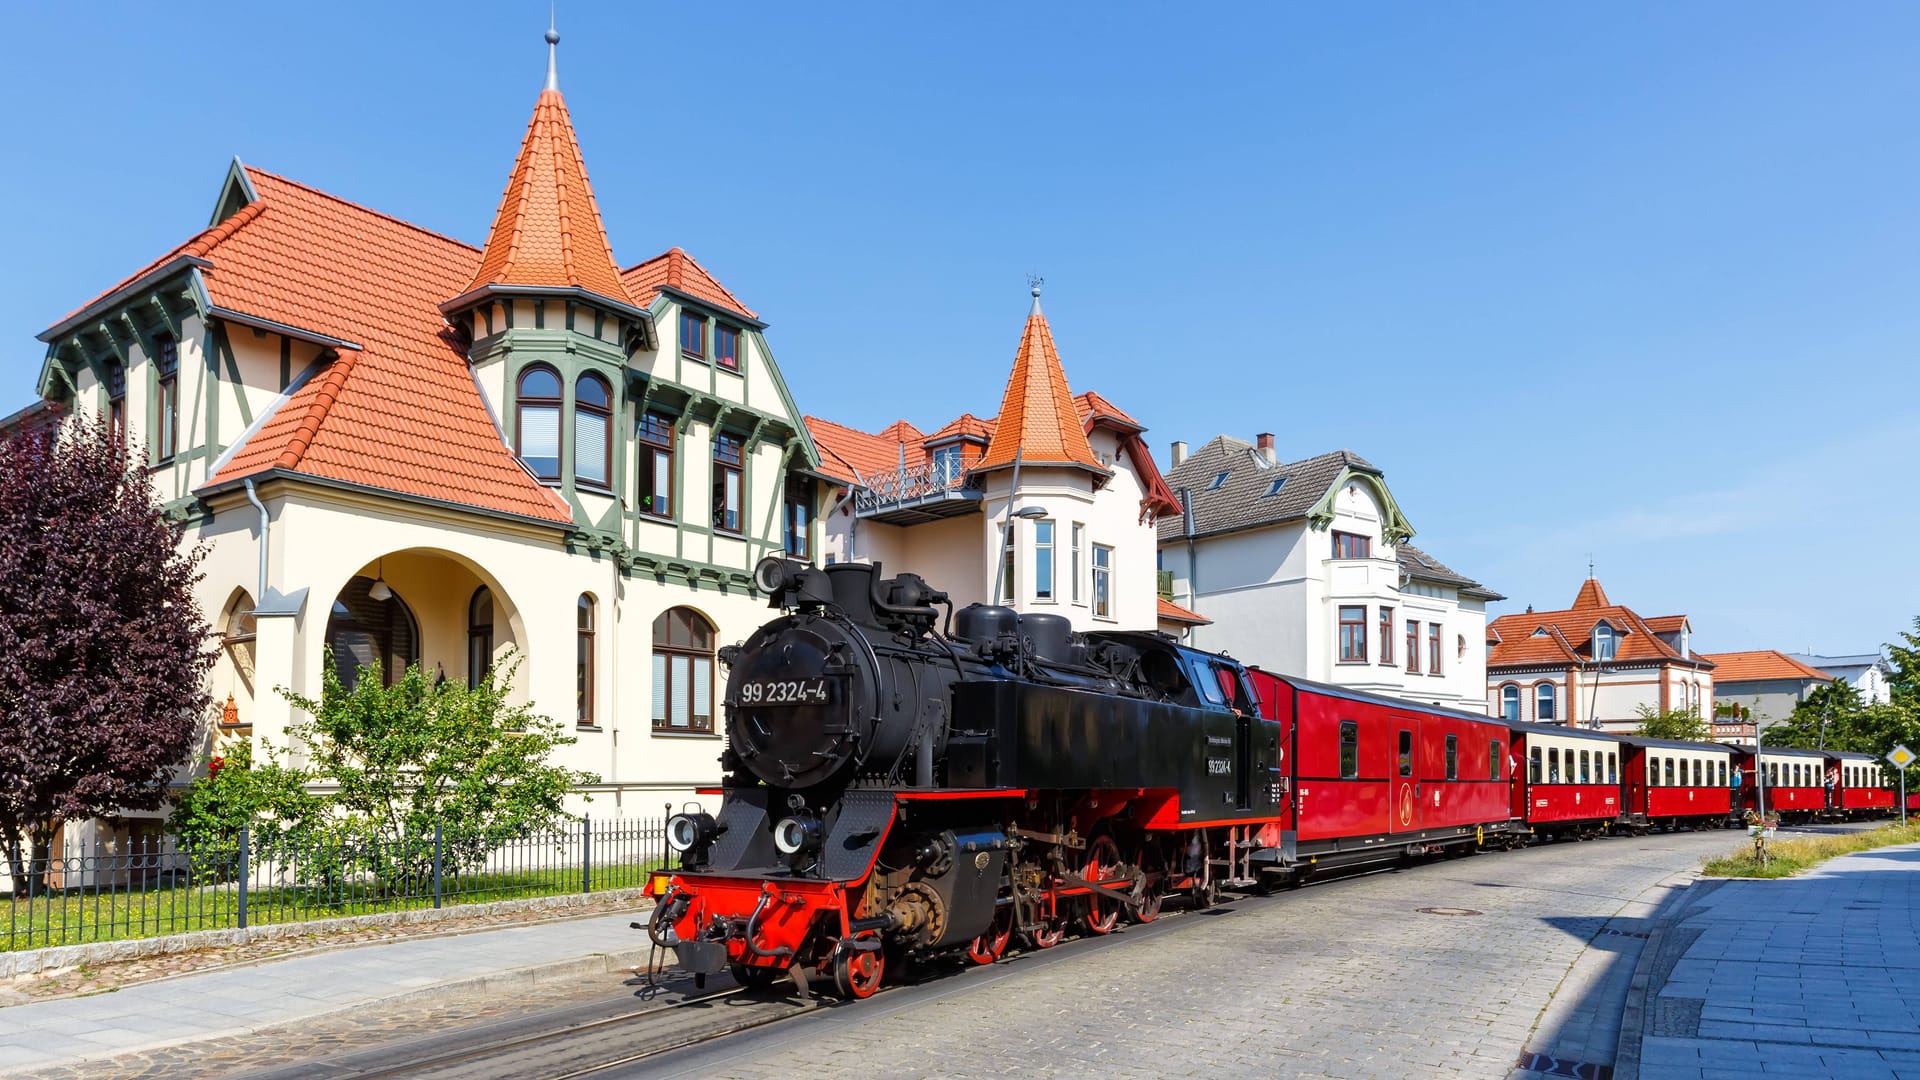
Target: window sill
(698, 358)
(588, 727)
(670, 733)
(1349, 663)
(590, 487)
(731, 534)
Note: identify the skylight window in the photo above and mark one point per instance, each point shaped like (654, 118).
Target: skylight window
(1218, 481)
(1274, 488)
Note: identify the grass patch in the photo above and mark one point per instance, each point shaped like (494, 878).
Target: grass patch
(1788, 857)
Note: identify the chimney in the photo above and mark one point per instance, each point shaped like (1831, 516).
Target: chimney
(1179, 454)
(1264, 441)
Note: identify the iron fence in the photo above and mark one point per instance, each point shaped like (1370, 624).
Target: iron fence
(148, 886)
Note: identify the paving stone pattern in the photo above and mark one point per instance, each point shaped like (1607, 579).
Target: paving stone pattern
(1812, 976)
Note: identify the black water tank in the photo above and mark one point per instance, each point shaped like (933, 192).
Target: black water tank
(1051, 635)
(984, 622)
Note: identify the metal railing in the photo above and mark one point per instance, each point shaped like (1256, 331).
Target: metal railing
(148, 886)
(934, 477)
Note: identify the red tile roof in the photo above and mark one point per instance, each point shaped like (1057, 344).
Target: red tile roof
(548, 230)
(1636, 639)
(1761, 665)
(1591, 595)
(677, 270)
(401, 413)
(1038, 416)
(965, 425)
(1667, 624)
(1173, 612)
(854, 456)
(1092, 406)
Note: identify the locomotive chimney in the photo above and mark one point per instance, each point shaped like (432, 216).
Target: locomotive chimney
(1179, 454)
(1264, 441)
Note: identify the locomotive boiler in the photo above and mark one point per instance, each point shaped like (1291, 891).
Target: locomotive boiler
(903, 780)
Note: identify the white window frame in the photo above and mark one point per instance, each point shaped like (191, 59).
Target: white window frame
(1102, 577)
(1043, 556)
(1079, 538)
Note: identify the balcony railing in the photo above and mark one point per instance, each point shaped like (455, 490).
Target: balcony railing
(938, 488)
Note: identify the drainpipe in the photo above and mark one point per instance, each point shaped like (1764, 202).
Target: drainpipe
(1193, 566)
(260, 592)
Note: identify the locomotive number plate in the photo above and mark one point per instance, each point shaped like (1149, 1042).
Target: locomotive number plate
(813, 691)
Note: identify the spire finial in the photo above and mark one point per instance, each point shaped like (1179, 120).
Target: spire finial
(1589, 566)
(1034, 281)
(553, 43)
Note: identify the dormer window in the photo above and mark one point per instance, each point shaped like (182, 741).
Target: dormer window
(536, 425)
(1274, 488)
(947, 465)
(1219, 481)
(1603, 642)
(693, 335)
(726, 346)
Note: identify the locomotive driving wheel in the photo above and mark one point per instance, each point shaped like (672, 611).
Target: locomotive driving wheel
(987, 948)
(1154, 892)
(857, 972)
(1103, 912)
(1050, 933)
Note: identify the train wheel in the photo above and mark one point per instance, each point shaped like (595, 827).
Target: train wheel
(1050, 933)
(1103, 913)
(857, 972)
(1155, 891)
(987, 948)
(755, 978)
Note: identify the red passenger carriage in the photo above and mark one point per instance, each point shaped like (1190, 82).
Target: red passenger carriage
(1568, 780)
(1795, 782)
(1859, 786)
(1669, 783)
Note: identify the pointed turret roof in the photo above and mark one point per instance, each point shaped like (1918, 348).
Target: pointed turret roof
(548, 232)
(1591, 595)
(1038, 417)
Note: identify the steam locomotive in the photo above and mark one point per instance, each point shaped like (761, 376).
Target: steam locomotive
(898, 786)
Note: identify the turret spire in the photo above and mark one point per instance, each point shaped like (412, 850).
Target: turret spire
(1034, 281)
(553, 48)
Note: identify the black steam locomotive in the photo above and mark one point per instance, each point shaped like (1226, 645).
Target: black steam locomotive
(902, 785)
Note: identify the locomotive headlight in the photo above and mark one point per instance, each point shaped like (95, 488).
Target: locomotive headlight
(797, 834)
(688, 831)
(774, 573)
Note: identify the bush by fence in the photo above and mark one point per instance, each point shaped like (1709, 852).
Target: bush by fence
(152, 886)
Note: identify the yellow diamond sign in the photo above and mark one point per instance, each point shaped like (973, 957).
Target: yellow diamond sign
(1902, 757)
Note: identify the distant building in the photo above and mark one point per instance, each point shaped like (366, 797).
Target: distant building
(1049, 506)
(1865, 672)
(1307, 568)
(1767, 683)
(1595, 664)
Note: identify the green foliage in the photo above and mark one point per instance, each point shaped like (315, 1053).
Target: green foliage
(406, 757)
(1834, 717)
(237, 792)
(1790, 856)
(1904, 657)
(1685, 725)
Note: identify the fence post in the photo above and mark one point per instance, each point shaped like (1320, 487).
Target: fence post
(246, 874)
(586, 853)
(436, 862)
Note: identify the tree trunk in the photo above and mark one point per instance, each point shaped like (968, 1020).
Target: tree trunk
(16, 864)
(40, 837)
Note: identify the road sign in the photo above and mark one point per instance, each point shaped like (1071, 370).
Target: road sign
(1902, 757)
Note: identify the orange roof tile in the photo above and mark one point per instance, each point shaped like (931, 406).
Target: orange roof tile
(402, 412)
(1173, 612)
(1760, 665)
(852, 455)
(548, 230)
(1667, 624)
(1038, 417)
(1591, 595)
(966, 425)
(677, 270)
(1091, 405)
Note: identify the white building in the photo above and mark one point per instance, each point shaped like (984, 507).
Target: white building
(1596, 664)
(407, 448)
(1305, 568)
(1865, 672)
(1048, 506)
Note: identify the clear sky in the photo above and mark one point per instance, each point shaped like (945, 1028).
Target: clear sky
(1634, 281)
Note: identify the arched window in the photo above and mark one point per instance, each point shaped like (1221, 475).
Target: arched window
(479, 635)
(364, 632)
(583, 680)
(1543, 702)
(682, 671)
(593, 431)
(1603, 642)
(1510, 702)
(237, 634)
(536, 423)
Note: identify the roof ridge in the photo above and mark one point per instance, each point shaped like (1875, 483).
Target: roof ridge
(203, 244)
(324, 397)
(811, 419)
(362, 207)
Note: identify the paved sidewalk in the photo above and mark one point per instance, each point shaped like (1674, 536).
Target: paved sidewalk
(45, 1034)
(1812, 976)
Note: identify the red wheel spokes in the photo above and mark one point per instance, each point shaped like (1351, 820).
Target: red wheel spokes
(1103, 913)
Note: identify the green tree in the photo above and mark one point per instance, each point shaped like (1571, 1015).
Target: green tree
(406, 757)
(1686, 725)
(238, 792)
(1904, 658)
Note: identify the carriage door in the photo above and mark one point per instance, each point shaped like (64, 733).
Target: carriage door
(1407, 790)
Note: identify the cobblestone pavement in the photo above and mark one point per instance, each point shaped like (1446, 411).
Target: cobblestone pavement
(1342, 979)
(1347, 979)
(89, 979)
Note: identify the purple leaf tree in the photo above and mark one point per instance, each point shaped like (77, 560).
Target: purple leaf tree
(103, 653)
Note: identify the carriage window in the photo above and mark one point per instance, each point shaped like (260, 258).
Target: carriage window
(1697, 767)
(1586, 774)
(1453, 757)
(1723, 774)
(1553, 765)
(1613, 767)
(1533, 766)
(1406, 753)
(1669, 771)
(1493, 760)
(1349, 750)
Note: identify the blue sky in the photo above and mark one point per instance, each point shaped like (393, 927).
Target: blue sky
(1630, 280)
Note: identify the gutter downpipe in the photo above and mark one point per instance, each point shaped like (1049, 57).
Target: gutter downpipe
(260, 592)
(1193, 565)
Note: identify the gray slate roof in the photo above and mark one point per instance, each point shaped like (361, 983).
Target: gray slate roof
(1242, 501)
(1420, 566)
